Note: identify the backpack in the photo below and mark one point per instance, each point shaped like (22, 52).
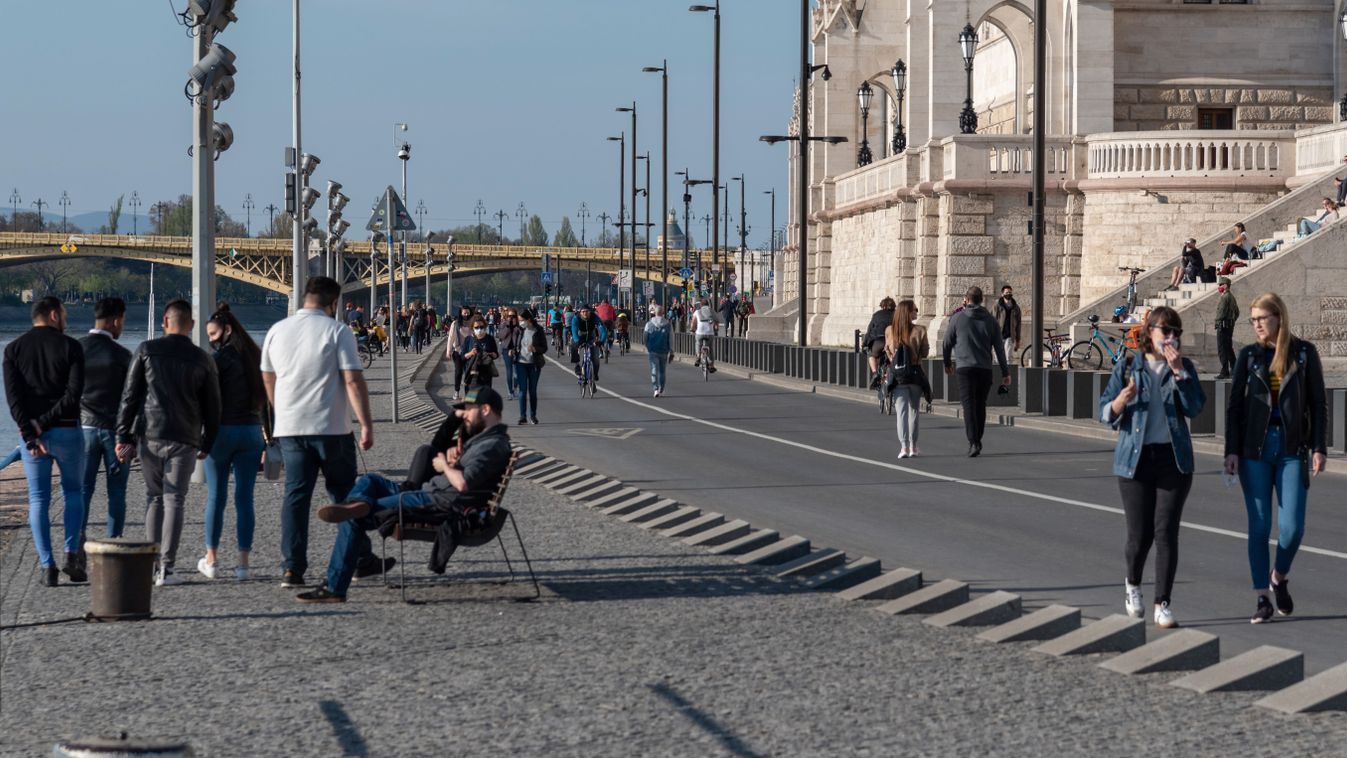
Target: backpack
(903, 371)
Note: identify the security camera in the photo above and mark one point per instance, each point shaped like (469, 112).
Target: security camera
(405, 152)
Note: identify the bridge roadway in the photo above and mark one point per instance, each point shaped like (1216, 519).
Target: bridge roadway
(826, 469)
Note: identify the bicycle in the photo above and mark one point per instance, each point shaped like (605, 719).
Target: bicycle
(704, 359)
(366, 352)
(1131, 299)
(556, 337)
(885, 397)
(623, 343)
(586, 376)
(1054, 352)
(1089, 354)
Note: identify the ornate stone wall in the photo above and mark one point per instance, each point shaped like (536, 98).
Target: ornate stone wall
(1156, 107)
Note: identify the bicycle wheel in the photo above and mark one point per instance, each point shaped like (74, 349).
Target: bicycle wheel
(1027, 358)
(1085, 355)
(366, 356)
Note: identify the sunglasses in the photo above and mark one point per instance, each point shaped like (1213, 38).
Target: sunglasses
(1170, 331)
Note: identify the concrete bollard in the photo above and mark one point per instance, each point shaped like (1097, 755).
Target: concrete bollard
(1205, 423)
(1081, 396)
(121, 578)
(1031, 389)
(1055, 399)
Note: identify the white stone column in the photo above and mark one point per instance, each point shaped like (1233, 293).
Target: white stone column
(946, 81)
(1092, 53)
(918, 82)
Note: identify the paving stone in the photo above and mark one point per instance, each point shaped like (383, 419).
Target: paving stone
(693, 526)
(1043, 624)
(674, 518)
(635, 502)
(990, 609)
(1263, 668)
(1325, 691)
(887, 586)
(658, 508)
(841, 577)
(584, 485)
(731, 530)
(1113, 634)
(938, 597)
(747, 543)
(1184, 650)
(780, 551)
(611, 498)
(815, 563)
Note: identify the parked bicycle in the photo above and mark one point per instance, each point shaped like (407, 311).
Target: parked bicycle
(1054, 349)
(1089, 354)
(1130, 302)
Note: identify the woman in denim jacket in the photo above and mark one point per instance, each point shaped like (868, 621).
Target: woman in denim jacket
(1148, 400)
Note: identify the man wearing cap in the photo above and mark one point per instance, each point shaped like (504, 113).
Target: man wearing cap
(1227, 313)
(587, 329)
(468, 476)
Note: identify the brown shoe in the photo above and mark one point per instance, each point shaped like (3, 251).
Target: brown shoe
(335, 514)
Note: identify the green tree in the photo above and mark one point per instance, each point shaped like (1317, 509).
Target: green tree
(114, 218)
(565, 236)
(534, 233)
(282, 227)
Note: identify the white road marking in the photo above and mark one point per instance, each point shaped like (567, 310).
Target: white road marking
(610, 433)
(942, 477)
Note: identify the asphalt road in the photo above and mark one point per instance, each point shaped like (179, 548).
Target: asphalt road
(1038, 513)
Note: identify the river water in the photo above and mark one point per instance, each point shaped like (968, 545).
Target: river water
(15, 320)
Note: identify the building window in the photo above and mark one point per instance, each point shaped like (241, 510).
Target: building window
(1215, 118)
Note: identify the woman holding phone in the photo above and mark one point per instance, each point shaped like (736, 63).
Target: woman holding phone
(1149, 399)
(1275, 430)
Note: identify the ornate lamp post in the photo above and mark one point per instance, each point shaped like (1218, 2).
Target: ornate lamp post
(1342, 105)
(968, 44)
(865, 94)
(899, 73)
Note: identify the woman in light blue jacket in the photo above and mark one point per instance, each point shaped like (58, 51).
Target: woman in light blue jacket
(659, 345)
(1149, 399)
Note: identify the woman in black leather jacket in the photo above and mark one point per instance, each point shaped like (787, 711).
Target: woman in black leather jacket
(1275, 432)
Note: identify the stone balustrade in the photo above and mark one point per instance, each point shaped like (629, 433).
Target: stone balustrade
(1320, 149)
(1150, 155)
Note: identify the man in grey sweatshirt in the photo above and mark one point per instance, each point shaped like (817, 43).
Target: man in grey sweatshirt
(971, 338)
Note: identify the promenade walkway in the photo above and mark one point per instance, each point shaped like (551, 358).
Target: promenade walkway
(639, 646)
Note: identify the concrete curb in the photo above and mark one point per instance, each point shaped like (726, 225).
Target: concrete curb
(816, 562)
(731, 530)
(694, 526)
(674, 518)
(747, 543)
(573, 489)
(639, 500)
(888, 586)
(1043, 624)
(1263, 668)
(842, 577)
(612, 497)
(1113, 634)
(989, 610)
(776, 553)
(651, 511)
(938, 597)
(1326, 691)
(1184, 650)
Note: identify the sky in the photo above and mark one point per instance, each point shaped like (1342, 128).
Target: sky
(508, 101)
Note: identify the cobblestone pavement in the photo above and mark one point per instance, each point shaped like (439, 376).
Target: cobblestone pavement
(639, 646)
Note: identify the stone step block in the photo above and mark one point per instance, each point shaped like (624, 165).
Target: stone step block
(815, 563)
(888, 586)
(941, 596)
(988, 610)
(748, 543)
(1043, 624)
(655, 509)
(584, 485)
(694, 526)
(1184, 650)
(731, 530)
(557, 482)
(778, 552)
(842, 577)
(613, 497)
(556, 475)
(1325, 691)
(527, 458)
(635, 502)
(673, 518)
(600, 490)
(537, 467)
(1263, 668)
(1113, 634)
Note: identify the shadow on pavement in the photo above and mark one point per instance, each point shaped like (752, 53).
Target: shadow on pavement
(703, 720)
(348, 736)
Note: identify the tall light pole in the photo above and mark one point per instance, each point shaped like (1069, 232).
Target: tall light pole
(1039, 180)
(40, 203)
(663, 70)
(271, 217)
(583, 214)
(421, 218)
(248, 211)
(715, 128)
(404, 155)
(968, 46)
(522, 213)
(64, 202)
(771, 241)
(743, 214)
(899, 74)
(646, 225)
(865, 94)
(480, 211)
(621, 193)
(632, 110)
(449, 274)
(500, 217)
(15, 199)
(299, 260)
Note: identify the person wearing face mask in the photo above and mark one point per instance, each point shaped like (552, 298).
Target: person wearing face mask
(1149, 399)
(479, 355)
(528, 349)
(1227, 312)
(459, 331)
(244, 424)
(504, 335)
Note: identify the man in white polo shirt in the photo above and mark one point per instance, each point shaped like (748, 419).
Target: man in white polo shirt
(314, 380)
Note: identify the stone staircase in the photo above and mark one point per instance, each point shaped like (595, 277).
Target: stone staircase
(780, 324)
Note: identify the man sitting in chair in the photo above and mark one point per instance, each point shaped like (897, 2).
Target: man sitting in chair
(468, 477)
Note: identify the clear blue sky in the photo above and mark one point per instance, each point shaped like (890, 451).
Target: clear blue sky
(507, 101)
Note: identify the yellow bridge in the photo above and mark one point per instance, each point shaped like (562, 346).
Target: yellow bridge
(267, 262)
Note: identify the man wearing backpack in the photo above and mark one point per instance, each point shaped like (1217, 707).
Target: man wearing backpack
(705, 324)
(972, 337)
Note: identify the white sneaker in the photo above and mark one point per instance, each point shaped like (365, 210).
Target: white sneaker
(1163, 618)
(455, 397)
(208, 570)
(242, 573)
(902, 453)
(1133, 601)
(168, 578)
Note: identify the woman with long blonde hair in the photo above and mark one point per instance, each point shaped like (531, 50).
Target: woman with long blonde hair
(1275, 438)
(905, 343)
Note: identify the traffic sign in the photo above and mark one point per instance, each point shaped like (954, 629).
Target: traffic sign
(390, 215)
(685, 272)
(730, 290)
(733, 276)
(649, 288)
(68, 247)
(547, 277)
(625, 278)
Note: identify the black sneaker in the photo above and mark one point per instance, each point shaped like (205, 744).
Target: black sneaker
(292, 579)
(51, 576)
(320, 595)
(522, 421)
(73, 570)
(533, 420)
(1283, 594)
(1264, 612)
(374, 567)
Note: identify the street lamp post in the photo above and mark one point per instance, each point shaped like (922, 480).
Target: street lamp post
(40, 203)
(404, 155)
(421, 218)
(865, 94)
(64, 202)
(645, 192)
(15, 199)
(480, 210)
(500, 216)
(664, 173)
(247, 210)
(632, 110)
(743, 215)
(621, 140)
(968, 44)
(582, 214)
(135, 206)
(715, 129)
(771, 241)
(899, 74)
(521, 213)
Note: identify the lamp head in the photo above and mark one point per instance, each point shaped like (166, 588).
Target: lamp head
(309, 197)
(968, 43)
(333, 188)
(405, 152)
(308, 163)
(899, 74)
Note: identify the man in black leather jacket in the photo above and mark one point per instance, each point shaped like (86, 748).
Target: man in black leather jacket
(171, 409)
(105, 367)
(873, 340)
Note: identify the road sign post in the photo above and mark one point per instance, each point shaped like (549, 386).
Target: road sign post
(391, 216)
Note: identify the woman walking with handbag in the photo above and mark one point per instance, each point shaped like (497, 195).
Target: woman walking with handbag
(504, 335)
(1149, 399)
(528, 347)
(479, 355)
(905, 343)
(459, 331)
(239, 445)
(1275, 438)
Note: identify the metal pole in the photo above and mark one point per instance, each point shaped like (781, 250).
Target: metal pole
(373, 279)
(621, 198)
(392, 310)
(402, 250)
(802, 246)
(620, 298)
(743, 217)
(299, 262)
(648, 226)
(664, 172)
(715, 156)
(1040, 148)
(203, 201)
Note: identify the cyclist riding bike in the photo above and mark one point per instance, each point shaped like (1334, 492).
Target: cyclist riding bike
(608, 315)
(620, 332)
(554, 321)
(587, 329)
(873, 340)
(705, 324)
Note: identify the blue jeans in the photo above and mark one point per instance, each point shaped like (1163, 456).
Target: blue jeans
(526, 375)
(352, 541)
(65, 446)
(1259, 478)
(658, 364)
(510, 382)
(304, 458)
(238, 446)
(100, 446)
(1306, 227)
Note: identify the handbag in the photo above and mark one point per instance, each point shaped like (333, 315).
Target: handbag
(487, 368)
(272, 461)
